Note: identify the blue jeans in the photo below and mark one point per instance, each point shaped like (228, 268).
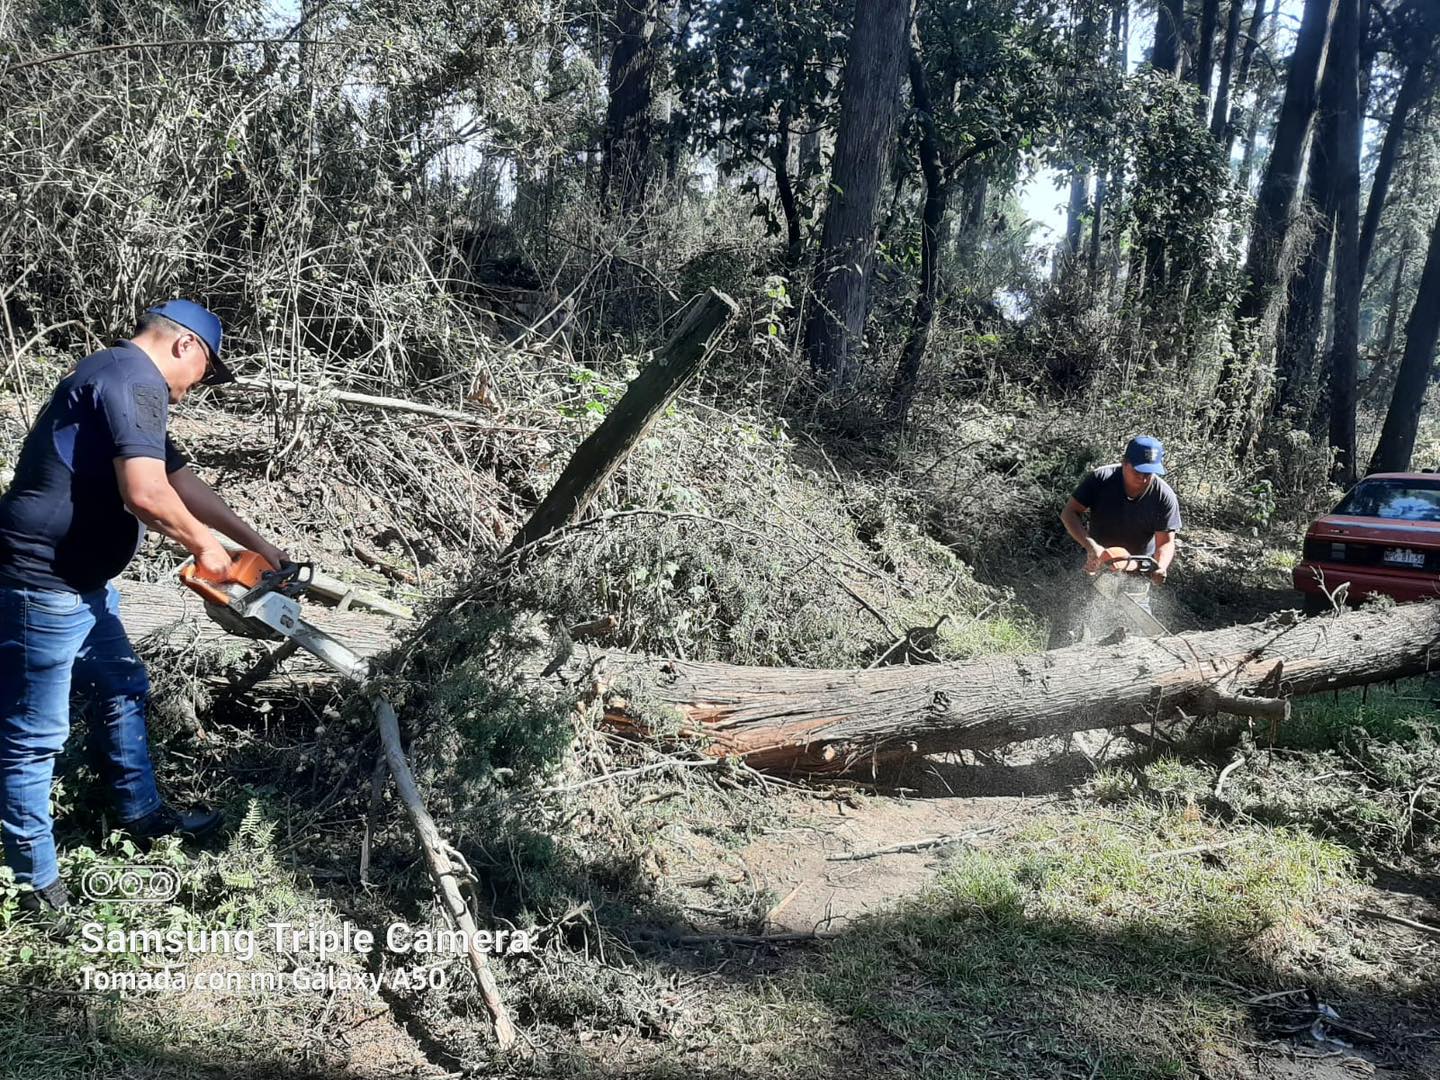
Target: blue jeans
(48, 641)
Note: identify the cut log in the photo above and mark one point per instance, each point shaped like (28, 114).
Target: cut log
(831, 721)
(597, 458)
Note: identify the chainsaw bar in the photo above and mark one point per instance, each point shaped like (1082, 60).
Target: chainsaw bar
(264, 604)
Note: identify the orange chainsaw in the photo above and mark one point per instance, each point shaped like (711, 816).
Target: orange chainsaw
(257, 601)
(1109, 582)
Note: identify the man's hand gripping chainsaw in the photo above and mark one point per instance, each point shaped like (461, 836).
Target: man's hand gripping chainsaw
(256, 601)
(1116, 563)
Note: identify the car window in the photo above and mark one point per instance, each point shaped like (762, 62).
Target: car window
(1404, 500)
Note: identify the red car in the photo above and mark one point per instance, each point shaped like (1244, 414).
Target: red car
(1383, 538)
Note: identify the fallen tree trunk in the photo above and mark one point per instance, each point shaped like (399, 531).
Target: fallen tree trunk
(829, 721)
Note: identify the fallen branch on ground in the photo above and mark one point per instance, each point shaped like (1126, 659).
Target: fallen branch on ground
(441, 867)
(912, 846)
(1401, 920)
(346, 397)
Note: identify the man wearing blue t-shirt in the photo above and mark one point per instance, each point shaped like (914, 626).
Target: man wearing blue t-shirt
(95, 471)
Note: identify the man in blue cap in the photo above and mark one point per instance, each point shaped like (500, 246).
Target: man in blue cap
(1130, 507)
(94, 472)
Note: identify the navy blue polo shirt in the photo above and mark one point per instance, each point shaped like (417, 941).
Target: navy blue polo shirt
(63, 524)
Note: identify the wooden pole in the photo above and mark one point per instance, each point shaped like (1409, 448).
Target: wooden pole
(597, 458)
(441, 866)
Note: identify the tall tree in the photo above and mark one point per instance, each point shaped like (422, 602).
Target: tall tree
(1220, 118)
(755, 85)
(1205, 58)
(1277, 189)
(869, 114)
(932, 216)
(1167, 52)
(1345, 340)
(992, 63)
(1300, 328)
(1414, 45)
(630, 160)
(1242, 75)
(1402, 419)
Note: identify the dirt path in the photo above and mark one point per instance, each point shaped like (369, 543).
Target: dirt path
(818, 889)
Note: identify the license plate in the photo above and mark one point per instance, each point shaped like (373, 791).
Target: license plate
(1403, 557)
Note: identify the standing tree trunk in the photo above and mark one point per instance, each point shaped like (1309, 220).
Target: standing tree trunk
(1205, 60)
(1075, 217)
(1402, 419)
(1412, 89)
(629, 158)
(1220, 118)
(1392, 310)
(1165, 54)
(1242, 76)
(1301, 327)
(869, 114)
(1345, 341)
(780, 163)
(1277, 189)
(937, 194)
(1097, 224)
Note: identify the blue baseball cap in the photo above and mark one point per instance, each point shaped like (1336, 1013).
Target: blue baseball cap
(1146, 454)
(204, 324)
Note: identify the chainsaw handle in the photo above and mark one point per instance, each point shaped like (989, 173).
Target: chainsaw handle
(1119, 561)
(247, 569)
(208, 590)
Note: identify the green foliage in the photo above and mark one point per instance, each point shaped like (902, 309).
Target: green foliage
(752, 77)
(466, 681)
(1181, 180)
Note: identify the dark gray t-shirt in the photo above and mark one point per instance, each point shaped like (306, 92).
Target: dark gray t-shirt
(1116, 520)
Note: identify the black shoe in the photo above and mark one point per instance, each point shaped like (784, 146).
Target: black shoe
(53, 897)
(166, 821)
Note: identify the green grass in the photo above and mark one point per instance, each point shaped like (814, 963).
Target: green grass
(1325, 722)
(1082, 943)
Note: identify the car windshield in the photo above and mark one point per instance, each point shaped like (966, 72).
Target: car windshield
(1405, 500)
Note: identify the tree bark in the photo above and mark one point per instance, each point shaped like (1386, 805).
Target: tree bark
(1412, 89)
(869, 115)
(1220, 118)
(1402, 419)
(629, 158)
(1205, 59)
(785, 189)
(1301, 326)
(831, 721)
(1345, 340)
(1242, 77)
(597, 458)
(171, 613)
(937, 195)
(1075, 215)
(1165, 54)
(1277, 190)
